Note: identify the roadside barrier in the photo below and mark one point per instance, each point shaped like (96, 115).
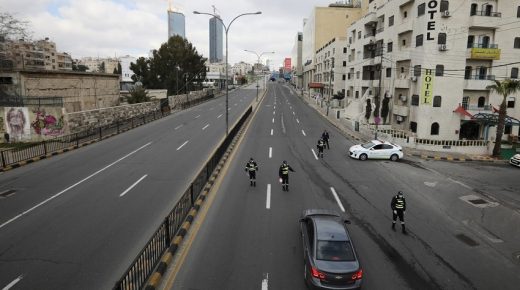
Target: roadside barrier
(149, 258)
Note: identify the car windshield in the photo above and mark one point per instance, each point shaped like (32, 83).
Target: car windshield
(334, 251)
(368, 145)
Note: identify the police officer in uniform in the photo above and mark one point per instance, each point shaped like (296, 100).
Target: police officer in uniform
(320, 146)
(398, 208)
(284, 175)
(325, 136)
(252, 168)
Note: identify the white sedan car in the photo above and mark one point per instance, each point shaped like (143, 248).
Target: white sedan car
(515, 160)
(376, 149)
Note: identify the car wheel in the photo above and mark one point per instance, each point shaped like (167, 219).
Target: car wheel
(363, 157)
(394, 157)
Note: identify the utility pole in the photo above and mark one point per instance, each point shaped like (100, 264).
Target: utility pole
(187, 89)
(330, 84)
(378, 97)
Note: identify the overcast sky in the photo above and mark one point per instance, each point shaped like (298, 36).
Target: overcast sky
(120, 27)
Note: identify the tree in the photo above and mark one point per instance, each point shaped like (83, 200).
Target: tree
(79, 67)
(118, 70)
(385, 109)
(167, 66)
(12, 28)
(138, 95)
(368, 110)
(504, 88)
(101, 67)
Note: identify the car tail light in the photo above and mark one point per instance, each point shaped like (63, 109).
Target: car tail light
(317, 274)
(358, 275)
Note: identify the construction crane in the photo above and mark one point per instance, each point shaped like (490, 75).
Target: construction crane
(215, 10)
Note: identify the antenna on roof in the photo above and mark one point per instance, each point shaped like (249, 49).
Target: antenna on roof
(215, 10)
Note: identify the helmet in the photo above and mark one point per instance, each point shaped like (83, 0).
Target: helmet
(400, 193)
(284, 162)
(251, 159)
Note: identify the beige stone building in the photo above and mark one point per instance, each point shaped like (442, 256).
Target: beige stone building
(75, 91)
(324, 24)
(93, 64)
(36, 55)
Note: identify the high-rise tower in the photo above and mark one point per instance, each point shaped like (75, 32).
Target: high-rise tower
(216, 30)
(176, 23)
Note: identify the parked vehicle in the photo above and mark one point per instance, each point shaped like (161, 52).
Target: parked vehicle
(328, 253)
(515, 160)
(376, 149)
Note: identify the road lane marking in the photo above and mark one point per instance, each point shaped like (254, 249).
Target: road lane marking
(178, 127)
(274, 112)
(297, 121)
(268, 198)
(272, 132)
(211, 108)
(460, 183)
(274, 108)
(283, 125)
(270, 152)
(337, 199)
(196, 117)
(229, 109)
(10, 285)
(315, 156)
(204, 128)
(182, 145)
(74, 185)
(235, 104)
(303, 132)
(294, 113)
(133, 185)
(219, 116)
(273, 120)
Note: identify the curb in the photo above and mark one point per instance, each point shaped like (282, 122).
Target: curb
(422, 156)
(155, 279)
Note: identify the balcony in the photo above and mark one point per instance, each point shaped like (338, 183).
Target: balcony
(401, 110)
(405, 27)
(402, 83)
(404, 2)
(370, 34)
(379, 30)
(474, 109)
(405, 53)
(483, 53)
(484, 19)
(478, 82)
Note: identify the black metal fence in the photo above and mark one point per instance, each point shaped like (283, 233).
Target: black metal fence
(142, 267)
(15, 155)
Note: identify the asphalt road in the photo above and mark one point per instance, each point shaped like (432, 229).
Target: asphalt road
(249, 237)
(77, 220)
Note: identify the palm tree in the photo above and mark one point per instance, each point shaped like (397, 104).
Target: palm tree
(504, 88)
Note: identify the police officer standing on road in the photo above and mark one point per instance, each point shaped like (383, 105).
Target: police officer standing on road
(252, 168)
(398, 207)
(284, 175)
(320, 146)
(325, 136)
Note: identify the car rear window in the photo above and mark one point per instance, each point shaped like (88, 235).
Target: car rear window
(335, 251)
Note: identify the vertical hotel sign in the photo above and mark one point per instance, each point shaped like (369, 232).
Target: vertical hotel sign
(427, 87)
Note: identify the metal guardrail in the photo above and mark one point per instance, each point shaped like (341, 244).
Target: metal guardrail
(464, 143)
(144, 264)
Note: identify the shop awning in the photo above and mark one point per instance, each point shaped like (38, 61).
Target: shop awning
(462, 111)
(492, 119)
(316, 85)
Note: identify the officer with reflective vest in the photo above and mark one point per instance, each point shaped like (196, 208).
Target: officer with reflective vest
(320, 146)
(252, 168)
(284, 175)
(325, 136)
(398, 208)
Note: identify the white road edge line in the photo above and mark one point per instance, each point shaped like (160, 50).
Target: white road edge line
(271, 132)
(315, 156)
(219, 116)
(133, 185)
(303, 132)
(178, 127)
(268, 198)
(204, 128)
(298, 121)
(10, 285)
(337, 199)
(72, 186)
(273, 120)
(183, 145)
(270, 152)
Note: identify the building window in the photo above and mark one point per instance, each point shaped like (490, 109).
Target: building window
(417, 70)
(357, 75)
(473, 10)
(421, 9)
(348, 76)
(391, 21)
(357, 94)
(419, 40)
(344, 77)
(442, 38)
(471, 40)
(445, 6)
(518, 12)
(388, 72)
(465, 102)
(359, 35)
(415, 100)
(405, 14)
(435, 129)
(517, 42)
(344, 63)
(348, 93)
(467, 72)
(404, 42)
(389, 47)
(344, 50)
(413, 127)
(511, 102)
(481, 102)
(437, 100)
(514, 73)
(439, 70)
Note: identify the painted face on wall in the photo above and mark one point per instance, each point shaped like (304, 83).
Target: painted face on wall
(16, 121)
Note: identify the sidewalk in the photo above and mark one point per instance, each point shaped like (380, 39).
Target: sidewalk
(345, 127)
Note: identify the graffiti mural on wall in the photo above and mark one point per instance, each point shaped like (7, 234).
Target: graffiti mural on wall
(47, 124)
(17, 122)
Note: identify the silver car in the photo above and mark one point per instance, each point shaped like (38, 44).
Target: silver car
(328, 253)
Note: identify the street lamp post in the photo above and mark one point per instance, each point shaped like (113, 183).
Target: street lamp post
(259, 56)
(226, 29)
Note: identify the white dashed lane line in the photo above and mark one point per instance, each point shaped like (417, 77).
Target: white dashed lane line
(204, 128)
(273, 120)
(271, 132)
(198, 116)
(15, 281)
(314, 153)
(303, 132)
(337, 199)
(219, 116)
(178, 127)
(182, 145)
(270, 152)
(298, 121)
(133, 185)
(268, 198)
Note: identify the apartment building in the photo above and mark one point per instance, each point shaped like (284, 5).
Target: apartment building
(331, 67)
(94, 63)
(430, 61)
(296, 55)
(35, 55)
(324, 24)
(241, 68)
